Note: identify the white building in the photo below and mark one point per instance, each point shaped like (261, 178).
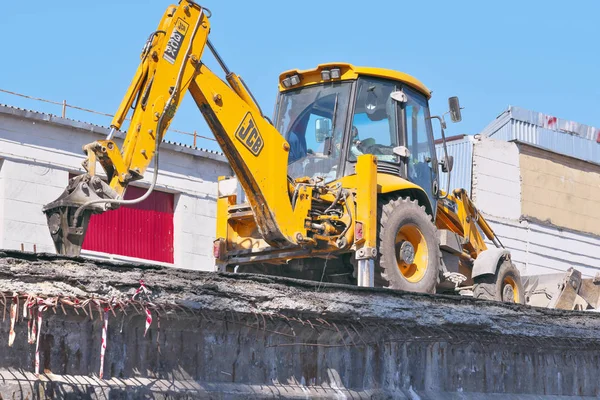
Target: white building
(38, 153)
(536, 178)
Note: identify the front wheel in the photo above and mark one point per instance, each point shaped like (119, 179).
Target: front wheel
(409, 255)
(505, 285)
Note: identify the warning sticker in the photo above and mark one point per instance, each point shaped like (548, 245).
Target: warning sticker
(449, 204)
(175, 41)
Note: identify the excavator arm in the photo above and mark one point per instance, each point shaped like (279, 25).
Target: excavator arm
(171, 64)
(457, 213)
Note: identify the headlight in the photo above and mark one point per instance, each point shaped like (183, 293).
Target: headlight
(325, 75)
(336, 73)
(295, 79)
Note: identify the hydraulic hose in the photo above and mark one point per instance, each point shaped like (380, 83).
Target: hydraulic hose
(156, 142)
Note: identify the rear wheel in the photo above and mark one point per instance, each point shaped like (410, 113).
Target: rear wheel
(409, 255)
(505, 285)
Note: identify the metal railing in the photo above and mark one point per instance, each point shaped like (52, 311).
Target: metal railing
(64, 105)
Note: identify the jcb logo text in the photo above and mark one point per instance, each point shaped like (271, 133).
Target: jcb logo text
(248, 134)
(175, 41)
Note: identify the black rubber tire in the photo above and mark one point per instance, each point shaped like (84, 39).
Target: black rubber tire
(393, 213)
(491, 287)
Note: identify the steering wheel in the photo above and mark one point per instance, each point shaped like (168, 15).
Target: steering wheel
(364, 145)
(381, 149)
(369, 146)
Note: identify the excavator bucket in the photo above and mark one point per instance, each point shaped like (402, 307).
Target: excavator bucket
(68, 226)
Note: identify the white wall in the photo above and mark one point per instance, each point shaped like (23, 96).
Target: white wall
(40, 150)
(27, 187)
(536, 248)
(496, 178)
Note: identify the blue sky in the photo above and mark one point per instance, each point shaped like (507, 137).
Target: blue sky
(541, 55)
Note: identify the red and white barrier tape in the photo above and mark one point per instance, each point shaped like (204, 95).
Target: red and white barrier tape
(14, 311)
(37, 345)
(103, 346)
(143, 289)
(31, 330)
(35, 316)
(148, 320)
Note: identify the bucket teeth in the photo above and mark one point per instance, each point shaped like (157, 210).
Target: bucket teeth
(68, 235)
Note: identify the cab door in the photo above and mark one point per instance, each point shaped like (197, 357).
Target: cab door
(421, 163)
(373, 125)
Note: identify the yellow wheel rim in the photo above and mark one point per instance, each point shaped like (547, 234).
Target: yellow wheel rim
(510, 290)
(412, 256)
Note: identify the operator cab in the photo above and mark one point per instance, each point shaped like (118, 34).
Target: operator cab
(336, 112)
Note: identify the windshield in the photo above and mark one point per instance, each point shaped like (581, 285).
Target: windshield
(312, 120)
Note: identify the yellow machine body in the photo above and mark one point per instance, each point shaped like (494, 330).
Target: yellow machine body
(239, 239)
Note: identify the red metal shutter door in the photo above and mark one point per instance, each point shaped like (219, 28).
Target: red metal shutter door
(143, 230)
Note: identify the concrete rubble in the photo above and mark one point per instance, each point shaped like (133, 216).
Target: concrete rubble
(183, 334)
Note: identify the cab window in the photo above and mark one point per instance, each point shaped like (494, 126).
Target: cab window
(312, 120)
(374, 123)
(419, 141)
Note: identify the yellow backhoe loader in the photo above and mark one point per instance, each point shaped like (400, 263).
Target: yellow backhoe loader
(342, 185)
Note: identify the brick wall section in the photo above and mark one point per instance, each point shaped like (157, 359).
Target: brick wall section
(37, 153)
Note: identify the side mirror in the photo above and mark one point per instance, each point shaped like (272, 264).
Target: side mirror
(401, 151)
(447, 163)
(371, 102)
(454, 105)
(322, 128)
(399, 96)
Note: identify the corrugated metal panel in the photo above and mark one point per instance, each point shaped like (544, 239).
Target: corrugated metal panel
(539, 249)
(143, 230)
(553, 123)
(461, 175)
(523, 131)
(498, 127)
(558, 135)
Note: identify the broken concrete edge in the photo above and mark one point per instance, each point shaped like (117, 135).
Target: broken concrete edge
(291, 282)
(31, 256)
(50, 278)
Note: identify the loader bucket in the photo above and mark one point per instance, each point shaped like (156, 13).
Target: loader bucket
(564, 291)
(67, 233)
